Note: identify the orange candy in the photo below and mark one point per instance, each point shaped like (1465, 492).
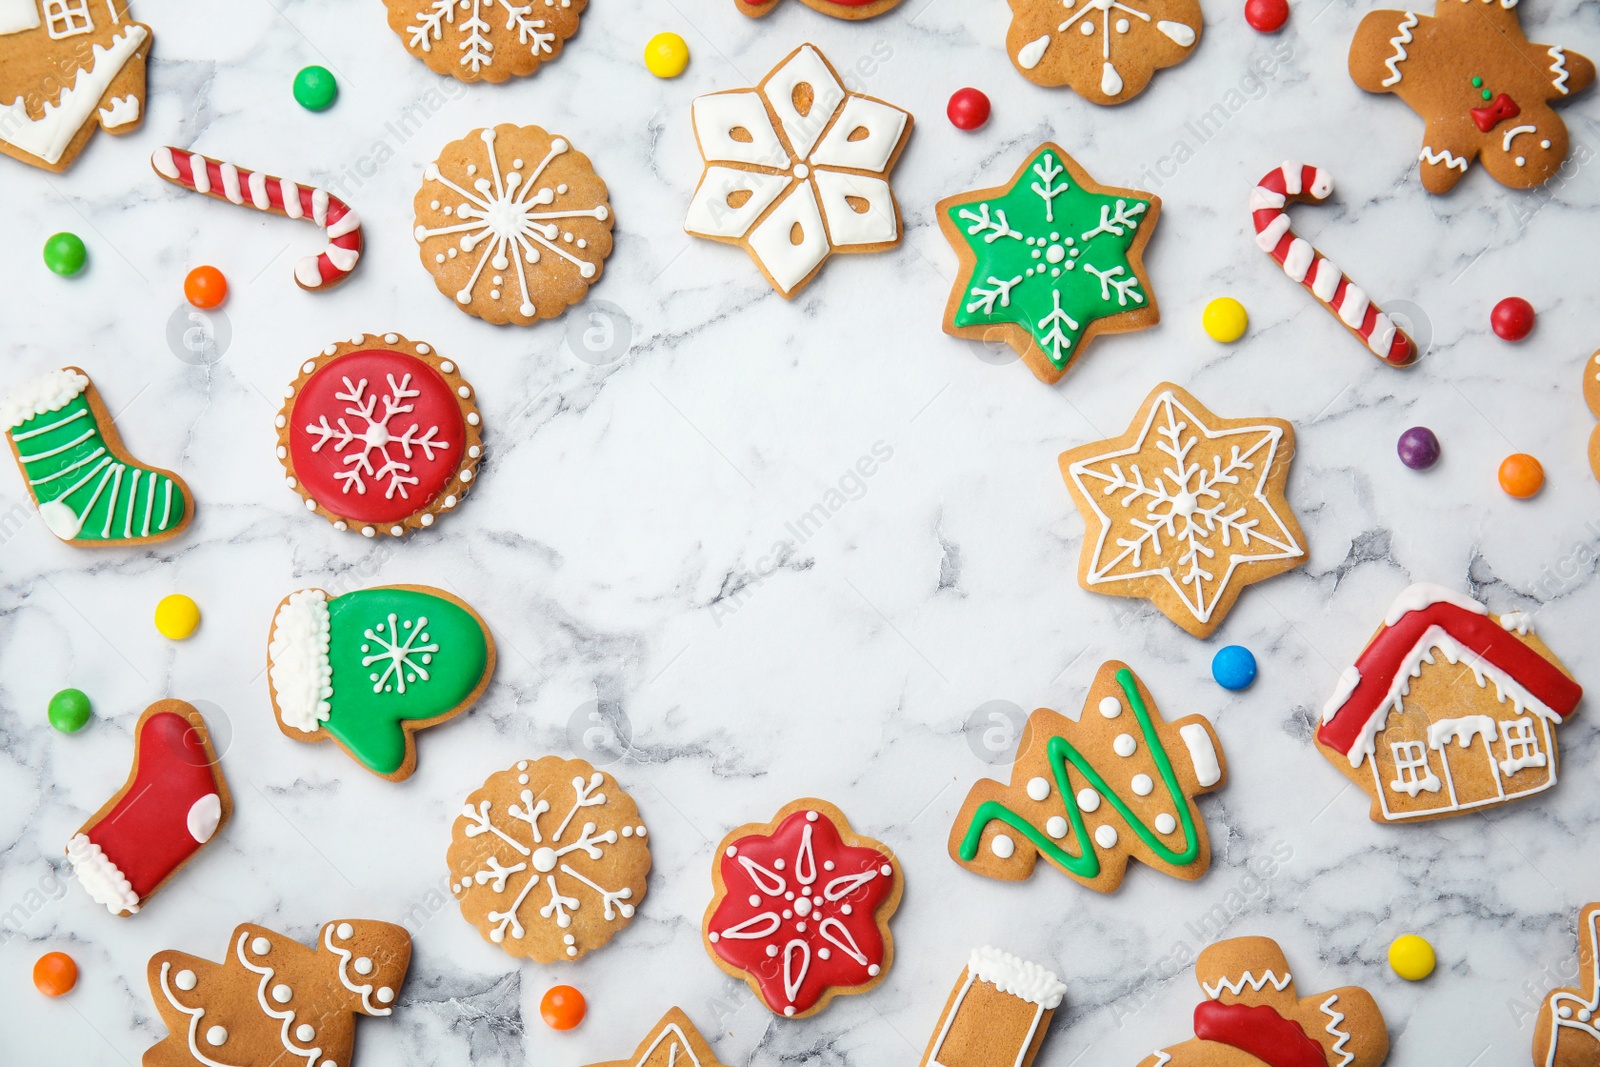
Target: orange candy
(1521, 475)
(55, 974)
(562, 1008)
(205, 287)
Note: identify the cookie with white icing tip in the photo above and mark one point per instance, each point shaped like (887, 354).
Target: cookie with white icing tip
(1568, 1032)
(549, 859)
(380, 434)
(1105, 50)
(513, 223)
(997, 1014)
(1482, 89)
(802, 907)
(674, 1042)
(1088, 796)
(1253, 1015)
(274, 1001)
(1449, 709)
(66, 68)
(484, 40)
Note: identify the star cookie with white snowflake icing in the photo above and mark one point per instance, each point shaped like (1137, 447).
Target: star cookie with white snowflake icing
(1106, 50)
(797, 169)
(1185, 509)
(1090, 794)
(549, 859)
(273, 1002)
(484, 40)
(513, 223)
(675, 1042)
(370, 668)
(802, 908)
(1049, 260)
(380, 434)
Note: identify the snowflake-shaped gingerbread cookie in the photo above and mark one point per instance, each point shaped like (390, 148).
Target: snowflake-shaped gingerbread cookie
(484, 40)
(797, 169)
(549, 859)
(1185, 509)
(380, 434)
(802, 908)
(513, 224)
(1106, 50)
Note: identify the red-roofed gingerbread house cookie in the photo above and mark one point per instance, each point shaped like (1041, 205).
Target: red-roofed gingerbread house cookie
(1448, 709)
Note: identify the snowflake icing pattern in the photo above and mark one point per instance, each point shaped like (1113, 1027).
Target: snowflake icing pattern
(476, 45)
(549, 866)
(375, 435)
(1140, 52)
(502, 212)
(1193, 505)
(1030, 243)
(404, 660)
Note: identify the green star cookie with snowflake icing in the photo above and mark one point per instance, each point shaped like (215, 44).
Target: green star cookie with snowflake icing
(371, 668)
(1049, 260)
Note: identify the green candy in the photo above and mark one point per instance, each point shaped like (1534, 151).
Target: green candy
(65, 254)
(315, 88)
(69, 710)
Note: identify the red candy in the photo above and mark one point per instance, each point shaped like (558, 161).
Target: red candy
(968, 109)
(1266, 16)
(1512, 318)
(55, 974)
(205, 287)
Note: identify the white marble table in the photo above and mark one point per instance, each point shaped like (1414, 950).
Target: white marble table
(614, 540)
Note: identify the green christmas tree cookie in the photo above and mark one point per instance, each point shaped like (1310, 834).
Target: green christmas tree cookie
(371, 668)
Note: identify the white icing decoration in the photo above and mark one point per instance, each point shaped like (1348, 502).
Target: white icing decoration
(1002, 846)
(1165, 823)
(1398, 42)
(402, 658)
(1429, 156)
(1142, 785)
(1124, 745)
(476, 47)
(1202, 753)
(1110, 707)
(185, 980)
(48, 136)
(674, 1033)
(1518, 621)
(1181, 35)
(1341, 1037)
(1056, 827)
(1038, 788)
(48, 392)
(1424, 595)
(204, 815)
(1105, 836)
(100, 876)
(364, 991)
(1298, 259)
(18, 15)
(1247, 980)
(124, 111)
(297, 661)
(1088, 799)
(1028, 55)
(848, 226)
(1558, 67)
(1463, 731)
(374, 434)
(1023, 980)
(1511, 134)
(1349, 678)
(194, 1014)
(883, 126)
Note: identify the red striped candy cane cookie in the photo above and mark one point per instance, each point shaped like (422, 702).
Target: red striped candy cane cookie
(280, 197)
(1295, 183)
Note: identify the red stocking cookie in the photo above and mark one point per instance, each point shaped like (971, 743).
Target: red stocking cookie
(802, 907)
(1252, 1015)
(273, 1002)
(174, 801)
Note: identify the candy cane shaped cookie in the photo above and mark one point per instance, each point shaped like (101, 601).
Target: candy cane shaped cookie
(1295, 183)
(224, 181)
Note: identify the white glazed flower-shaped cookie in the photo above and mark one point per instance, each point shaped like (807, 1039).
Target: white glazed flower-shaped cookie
(796, 168)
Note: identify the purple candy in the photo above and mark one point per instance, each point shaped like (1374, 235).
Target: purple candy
(1418, 448)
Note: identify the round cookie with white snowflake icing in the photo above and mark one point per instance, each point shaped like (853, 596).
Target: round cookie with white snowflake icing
(484, 40)
(549, 859)
(380, 434)
(369, 669)
(513, 223)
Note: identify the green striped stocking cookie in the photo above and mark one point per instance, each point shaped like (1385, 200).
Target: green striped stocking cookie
(89, 490)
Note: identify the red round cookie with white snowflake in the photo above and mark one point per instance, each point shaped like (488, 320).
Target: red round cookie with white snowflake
(380, 434)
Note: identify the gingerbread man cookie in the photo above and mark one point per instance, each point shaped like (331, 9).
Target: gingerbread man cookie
(802, 907)
(673, 1043)
(1448, 709)
(1090, 795)
(1568, 1032)
(67, 66)
(1252, 1014)
(273, 1001)
(1185, 508)
(484, 40)
(1106, 50)
(997, 1014)
(1482, 89)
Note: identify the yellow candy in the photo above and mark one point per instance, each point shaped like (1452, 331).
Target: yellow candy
(177, 616)
(1411, 957)
(1225, 319)
(666, 55)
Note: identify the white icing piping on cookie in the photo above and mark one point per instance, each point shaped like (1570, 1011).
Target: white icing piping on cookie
(195, 1015)
(46, 393)
(345, 955)
(1559, 69)
(1237, 986)
(1335, 1017)
(266, 973)
(1398, 42)
(1018, 977)
(672, 1030)
(297, 660)
(1428, 155)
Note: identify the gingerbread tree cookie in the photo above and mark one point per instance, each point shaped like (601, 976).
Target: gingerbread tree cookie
(272, 1001)
(1090, 795)
(549, 859)
(484, 40)
(1448, 709)
(1568, 1032)
(802, 907)
(1252, 1014)
(997, 1014)
(1048, 261)
(1481, 88)
(1185, 508)
(67, 66)
(673, 1043)
(1106, 50)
